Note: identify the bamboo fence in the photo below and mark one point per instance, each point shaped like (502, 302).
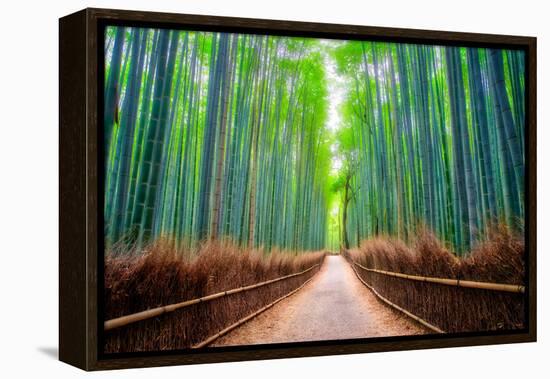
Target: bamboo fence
(393, 305)
(211, 339)
(513, 288)
(154, 312)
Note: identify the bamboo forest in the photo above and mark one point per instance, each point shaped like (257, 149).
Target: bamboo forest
(306, 144)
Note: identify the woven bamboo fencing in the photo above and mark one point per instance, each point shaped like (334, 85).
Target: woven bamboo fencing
(395, 306)
(155, 312)
(445, 305)
(211, 339)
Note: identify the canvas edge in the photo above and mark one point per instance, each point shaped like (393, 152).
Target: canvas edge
(73, 281)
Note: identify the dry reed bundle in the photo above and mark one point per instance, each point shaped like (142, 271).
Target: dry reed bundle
(164, 276)
(499, 259)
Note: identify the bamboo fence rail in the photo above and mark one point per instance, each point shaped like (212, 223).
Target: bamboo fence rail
(154, 312)
(514, 288)
(211, 339)
(393, 305)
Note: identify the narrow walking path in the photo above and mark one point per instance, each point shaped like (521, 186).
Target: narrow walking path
(334, 305)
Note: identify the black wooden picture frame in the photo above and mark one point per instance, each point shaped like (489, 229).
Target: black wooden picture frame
(80, 193)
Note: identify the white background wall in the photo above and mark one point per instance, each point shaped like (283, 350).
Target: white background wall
(29, 184)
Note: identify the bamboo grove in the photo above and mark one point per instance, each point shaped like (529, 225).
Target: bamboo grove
(214, 135)
(431, 136)
(229, 136)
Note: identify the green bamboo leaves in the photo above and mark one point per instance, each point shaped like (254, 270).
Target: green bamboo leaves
(217, 135)
(220, 136)
(440, 136)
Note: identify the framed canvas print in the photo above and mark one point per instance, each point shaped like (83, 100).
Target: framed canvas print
(237, 189)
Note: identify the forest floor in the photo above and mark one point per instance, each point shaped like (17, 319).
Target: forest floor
(334, 305)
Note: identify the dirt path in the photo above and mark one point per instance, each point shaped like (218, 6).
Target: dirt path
(334, 305)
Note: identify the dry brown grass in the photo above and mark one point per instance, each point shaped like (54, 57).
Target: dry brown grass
(499, 259)
(164, 275)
